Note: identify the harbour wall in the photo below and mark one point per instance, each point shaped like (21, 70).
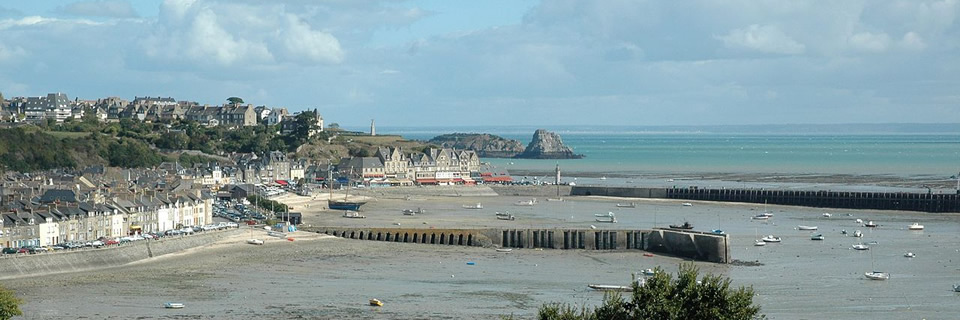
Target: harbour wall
(547, 191)
(22, 265)
(903, 201)
(688, 244)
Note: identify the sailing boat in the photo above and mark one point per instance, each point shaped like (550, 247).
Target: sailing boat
(344, 204)
(875, 275)
(758, 242)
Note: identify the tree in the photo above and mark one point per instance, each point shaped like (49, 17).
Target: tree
(9, 304)
(235, 100)
(663, 297)
(334, 126)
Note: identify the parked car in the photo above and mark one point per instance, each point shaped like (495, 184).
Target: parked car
(11, 250)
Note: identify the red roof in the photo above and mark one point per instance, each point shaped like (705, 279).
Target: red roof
(497, 179)
(281, 182)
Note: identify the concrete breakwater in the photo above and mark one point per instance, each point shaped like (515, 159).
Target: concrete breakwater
(924, 202)
(688, 244)
(22, 265)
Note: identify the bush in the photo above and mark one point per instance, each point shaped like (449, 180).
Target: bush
(663, 297)
(9, 304)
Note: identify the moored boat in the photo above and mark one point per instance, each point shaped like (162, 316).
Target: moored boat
(762, 216)
(609, 219)
(956, 287)
(648, 272)
(608, 214)
(687, 204)
(808, 228)
(627, 205)
(759, 243)
(909, 255)
(717, 231)
(555, 199)
(473, 206)
(505, 216)
(173, 305)
(685, 226)
(826, 215)
(861, 246)
(376, 303)
(345, 205)
(817, 236)
(353, 215)
(526, 203)
(877, 275)
(858, 234)
(915, 226)
(870, 224)
(607, 287)
(770, 238)
(504, 249)
(255, 241)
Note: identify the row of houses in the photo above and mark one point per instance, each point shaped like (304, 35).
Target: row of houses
(392, 166)
(59, 107)
(58, 216)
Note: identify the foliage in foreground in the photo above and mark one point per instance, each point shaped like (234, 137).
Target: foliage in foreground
(663, 297)
(9, 304)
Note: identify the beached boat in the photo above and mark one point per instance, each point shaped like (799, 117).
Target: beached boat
(759, 243)
(909, 255)
(915, 226)
(608, 214)
(627, 205)
(685, 226)
(255, 241)
(861, 246)
(526, 203)
(760, 217)
(353, 215)
(807, 228)
(410, 212)
(610, 219)
(687, 204)
(826, 215)
(877, 275)
(555, 199)
(608, 287)
(504, 249)
(817, 236)
(473, 206)
(870, 224)
(345, 205)
(505, 216)
(717, 231)
(858, 234)
(770, 238)
(376, 303)
(173, 305)
(648, 272)
(956, 287)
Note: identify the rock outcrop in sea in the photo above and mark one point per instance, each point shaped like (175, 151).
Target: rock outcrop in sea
(547, 145)
(485, 145)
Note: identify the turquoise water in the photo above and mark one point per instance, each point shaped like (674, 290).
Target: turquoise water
(627, 151)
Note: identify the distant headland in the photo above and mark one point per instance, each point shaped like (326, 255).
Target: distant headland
(544, 145)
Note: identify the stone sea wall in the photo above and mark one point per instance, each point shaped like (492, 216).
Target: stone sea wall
(23, 265)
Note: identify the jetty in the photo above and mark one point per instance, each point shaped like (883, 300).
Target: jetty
(902, 201)
(701, 246)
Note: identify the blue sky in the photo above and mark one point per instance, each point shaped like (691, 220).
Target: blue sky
(503, 62)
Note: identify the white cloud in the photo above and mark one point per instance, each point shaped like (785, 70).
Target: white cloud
(8, 53)
(100, 8)
(305, 44)
(766, 39)
(870, 42)
(912, 41)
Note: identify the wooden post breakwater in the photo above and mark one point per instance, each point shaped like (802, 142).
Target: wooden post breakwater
(903, 201)
(683, 243)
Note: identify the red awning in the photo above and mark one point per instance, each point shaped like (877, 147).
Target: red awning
(319, 179)
(497, 179)
(427, 181)
(282, 182)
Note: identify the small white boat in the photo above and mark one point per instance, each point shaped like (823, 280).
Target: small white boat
(760, 217)
(808, 228)
(603, 178)
(858, 234)
(526, 203)
(770, 238)
(255, 241)
(859, 221)
(555, 199)
(505, 216)
(877, 275)
(817, 236)
(608, 214)
(504, 249)
(473, 206)
(376, 303)
(860, 246)
(956, 287)
(648, 272)
(173, 305)
(353, 215)
(759, 243)
(870, 224)
(627, 205)
(687, 204)
(607, 219)
(410, 212)
(826, 215)
(717, 231)
(915, 226)
(909, 255)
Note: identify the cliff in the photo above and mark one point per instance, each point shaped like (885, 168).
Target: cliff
(547, 145)
(486, 145)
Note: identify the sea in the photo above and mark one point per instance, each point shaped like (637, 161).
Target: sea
(626, 154)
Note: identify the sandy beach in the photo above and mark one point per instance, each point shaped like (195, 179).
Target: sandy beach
(321, 277)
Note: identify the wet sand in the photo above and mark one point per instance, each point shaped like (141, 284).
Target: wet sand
(318, 277)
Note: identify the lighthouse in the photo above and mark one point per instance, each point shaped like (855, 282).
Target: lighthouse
(373, 128)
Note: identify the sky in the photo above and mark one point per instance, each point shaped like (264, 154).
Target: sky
(503, 62)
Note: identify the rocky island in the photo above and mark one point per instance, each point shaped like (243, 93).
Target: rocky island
(547, 145)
